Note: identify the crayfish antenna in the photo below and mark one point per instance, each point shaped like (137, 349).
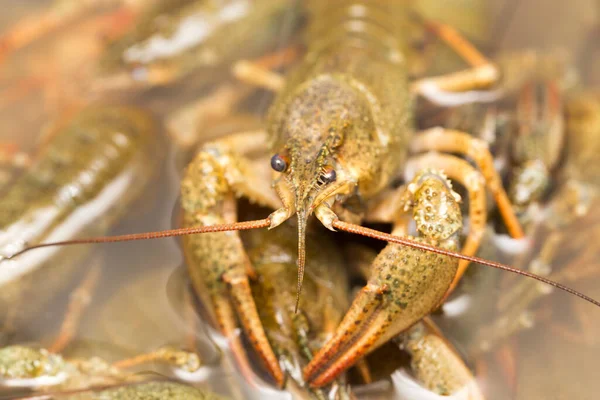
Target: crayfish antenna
(386, 237)
(236, 226)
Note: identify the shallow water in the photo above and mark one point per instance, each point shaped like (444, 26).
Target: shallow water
(139, 303)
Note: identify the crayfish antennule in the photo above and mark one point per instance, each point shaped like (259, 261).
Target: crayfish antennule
(301, 256)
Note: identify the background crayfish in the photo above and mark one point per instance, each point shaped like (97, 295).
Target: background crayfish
(383, 120)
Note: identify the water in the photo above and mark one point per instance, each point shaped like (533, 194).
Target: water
(140, 305)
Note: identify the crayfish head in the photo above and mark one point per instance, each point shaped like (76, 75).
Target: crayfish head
(308, 179)
(320, 131)
(304, 186)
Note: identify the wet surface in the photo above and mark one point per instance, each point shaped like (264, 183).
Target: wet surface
(140, 302)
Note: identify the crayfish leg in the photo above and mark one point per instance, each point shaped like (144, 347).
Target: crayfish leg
(452, 141)
(364, 311)
(217, 262)
(436, 364)
(243, 302)
(461, 171)
(482, 74)
(405, 285)
(260, 72)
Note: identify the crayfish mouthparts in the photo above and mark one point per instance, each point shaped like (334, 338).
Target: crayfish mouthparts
(323, 213)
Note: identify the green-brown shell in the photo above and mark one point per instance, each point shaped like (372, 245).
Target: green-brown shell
(21, 362)
(296, 336)
(156, 390)
(93, 167)
(199, 34)
(415, 281)
(204, 193)
(96, 147)
(347, 104)
(437, 365)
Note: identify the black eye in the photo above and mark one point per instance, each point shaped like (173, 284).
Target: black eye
(329, 175)
(279, 163)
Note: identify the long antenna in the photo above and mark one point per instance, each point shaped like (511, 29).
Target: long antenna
(235, 226)
(344, 226)
(361, 230)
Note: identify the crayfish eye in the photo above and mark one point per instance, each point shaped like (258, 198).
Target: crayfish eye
(329, 175)
(279, 163)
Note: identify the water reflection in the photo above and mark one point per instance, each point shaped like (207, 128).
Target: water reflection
(141, 302)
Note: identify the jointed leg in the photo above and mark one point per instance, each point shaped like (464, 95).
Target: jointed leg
(461, 171)
(241, 174)
(405, 283)
(365, 308)
(457, 169)
(79, 301)
(174, 357)
(218, 265)
(458, 43)
(251, 73)
(451, 141)
(437, 364)
(478, 78)
(483, 74)
(259, 72)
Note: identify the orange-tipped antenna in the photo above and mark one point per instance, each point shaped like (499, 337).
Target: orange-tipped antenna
(344, 226)
(236, 226)
(361, 230)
